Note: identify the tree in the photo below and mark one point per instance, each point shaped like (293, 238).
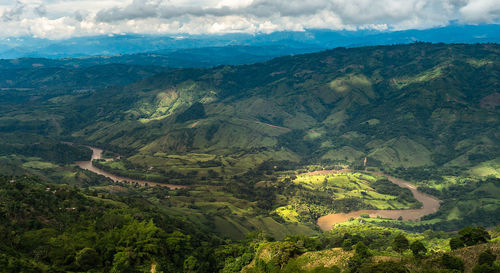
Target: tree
(456, 243)
(284, 251)
(485, 263)
(362, 251)
(362, 255)
(191, 264)
(474, 235)
(347, 244)
(386, 267)
(122, 262)
(87, 258)
(418, 249)
(487, 257)
(400, 243)
(451, 262)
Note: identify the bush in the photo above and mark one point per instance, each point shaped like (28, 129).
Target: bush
(487, 257)
(484, 268)
(87, 258)
(456, 243)
(474, 235)
(386, 267)
(400, 243)
(418, 249)
(452, 262)
(322, 269)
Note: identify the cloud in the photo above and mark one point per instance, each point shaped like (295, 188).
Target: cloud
(481, 11)
(41, 10)
(57, 18)
(13, 13)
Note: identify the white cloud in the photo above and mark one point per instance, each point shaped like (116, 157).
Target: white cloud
(480, 11)
(65, 18)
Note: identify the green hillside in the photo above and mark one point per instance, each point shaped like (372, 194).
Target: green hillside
(264, 150)
(428, 113)
(400, 106)
(122, 228)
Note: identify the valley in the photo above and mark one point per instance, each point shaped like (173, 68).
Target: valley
(429, 204)
(97, 155)
(295, 164)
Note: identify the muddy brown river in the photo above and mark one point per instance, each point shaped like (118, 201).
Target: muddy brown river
(97, 154)
(430, 205)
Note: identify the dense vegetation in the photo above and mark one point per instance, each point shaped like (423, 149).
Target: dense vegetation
(53, 228)
(49, 228)
(410, 106)
(265, 149)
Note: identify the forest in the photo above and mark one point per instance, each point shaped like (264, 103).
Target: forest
(57, 228)
(260, 152)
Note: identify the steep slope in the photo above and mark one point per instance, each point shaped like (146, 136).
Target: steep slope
(400, 106)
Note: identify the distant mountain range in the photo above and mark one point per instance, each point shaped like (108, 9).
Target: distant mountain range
(247, 48)
(178, 58)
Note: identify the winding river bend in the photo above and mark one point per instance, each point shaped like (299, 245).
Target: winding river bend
(430, 205)
(97, 154)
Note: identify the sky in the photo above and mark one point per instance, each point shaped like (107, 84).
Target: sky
(60, 19)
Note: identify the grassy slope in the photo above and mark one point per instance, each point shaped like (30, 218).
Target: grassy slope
(401, 106)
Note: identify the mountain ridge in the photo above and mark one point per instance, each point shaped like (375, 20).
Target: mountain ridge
(410, 106)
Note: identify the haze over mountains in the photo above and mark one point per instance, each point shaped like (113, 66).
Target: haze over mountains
(258, 46)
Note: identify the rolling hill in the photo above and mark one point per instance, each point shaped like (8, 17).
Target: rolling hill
(427, 113)
(406, 106)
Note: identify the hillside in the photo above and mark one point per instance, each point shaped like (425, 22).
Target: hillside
(263, 151)
(403, 106)
(244, 136)
(122, 228)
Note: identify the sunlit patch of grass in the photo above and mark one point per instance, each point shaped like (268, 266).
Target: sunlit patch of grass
(345, 185)
(454, 214)
(402, 152)
(39, 165)
(346, 153)
(425, 76)
(312, 134)
(487, 168)
(478, 62)
(352, 82)
(288, 214)
(326, 258)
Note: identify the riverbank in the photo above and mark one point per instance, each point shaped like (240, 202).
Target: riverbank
(430, 205)
(97, 154)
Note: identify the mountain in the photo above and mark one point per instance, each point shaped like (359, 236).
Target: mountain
(242, 135)
(44, 78)
(259, 153)
(301, 41)
(404, 106)
(173, 58)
